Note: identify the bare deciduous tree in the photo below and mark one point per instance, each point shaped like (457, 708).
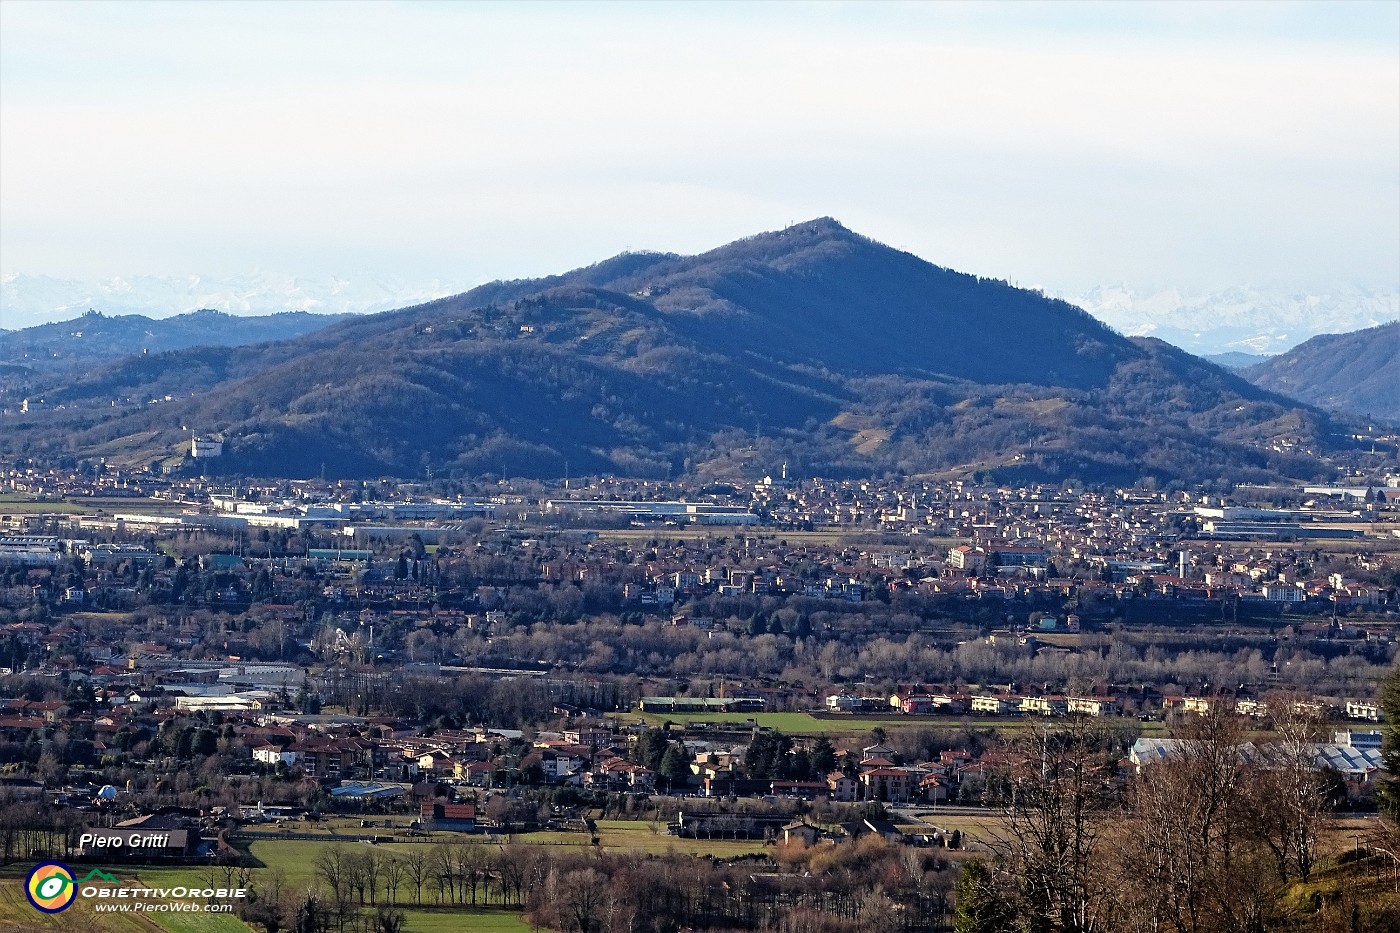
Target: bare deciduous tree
(1193, 858)
(1059, 795)
(394, 870)
(582, 895)
(420, 869)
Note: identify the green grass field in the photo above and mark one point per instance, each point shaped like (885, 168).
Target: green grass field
(794, 723)
(483, 919)
(12, 504)
(201, 923)
(296, 859)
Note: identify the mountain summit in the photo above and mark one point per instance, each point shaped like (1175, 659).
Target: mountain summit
(811, 345)
(818, 294)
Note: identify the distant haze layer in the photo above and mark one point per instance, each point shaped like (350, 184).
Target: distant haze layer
(29, 300)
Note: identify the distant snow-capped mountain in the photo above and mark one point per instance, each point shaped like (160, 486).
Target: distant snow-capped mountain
(27, 300)
(1243, 319)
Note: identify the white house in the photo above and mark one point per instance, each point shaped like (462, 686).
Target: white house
(272, 754)
(1283, 593)
(962, 557)
(1368, 710)
(206, 447)
(995, 705)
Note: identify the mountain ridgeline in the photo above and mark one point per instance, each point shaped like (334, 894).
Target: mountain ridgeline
(812, 346)
(1356, 373)
(95, 339)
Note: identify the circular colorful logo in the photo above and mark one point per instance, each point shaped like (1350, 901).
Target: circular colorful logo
(50, 887)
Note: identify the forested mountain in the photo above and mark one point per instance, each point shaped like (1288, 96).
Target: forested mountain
(810, 345)
(1235, 360)
(1356, 373)
(97, 339)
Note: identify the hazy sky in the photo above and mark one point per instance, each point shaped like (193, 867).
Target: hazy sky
(1056, 144)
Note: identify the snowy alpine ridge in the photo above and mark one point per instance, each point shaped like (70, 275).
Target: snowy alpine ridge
(1244, 319)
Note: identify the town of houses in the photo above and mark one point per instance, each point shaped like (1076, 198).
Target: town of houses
(374, 765)
(1005, 543)
(197, 576)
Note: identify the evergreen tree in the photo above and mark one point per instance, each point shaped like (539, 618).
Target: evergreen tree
(262, 586)
(767, 755)
(675, 766)
(1389, 790)
(978, 906)
(307, 700)
(823, 756)
(185, 743)
(80, 696)
(205, 742)
(651, 748)
(800, 765)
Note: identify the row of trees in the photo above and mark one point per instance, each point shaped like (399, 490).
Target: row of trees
(362, 889)
(897, 647)
(1206, 840)
(862, 885)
